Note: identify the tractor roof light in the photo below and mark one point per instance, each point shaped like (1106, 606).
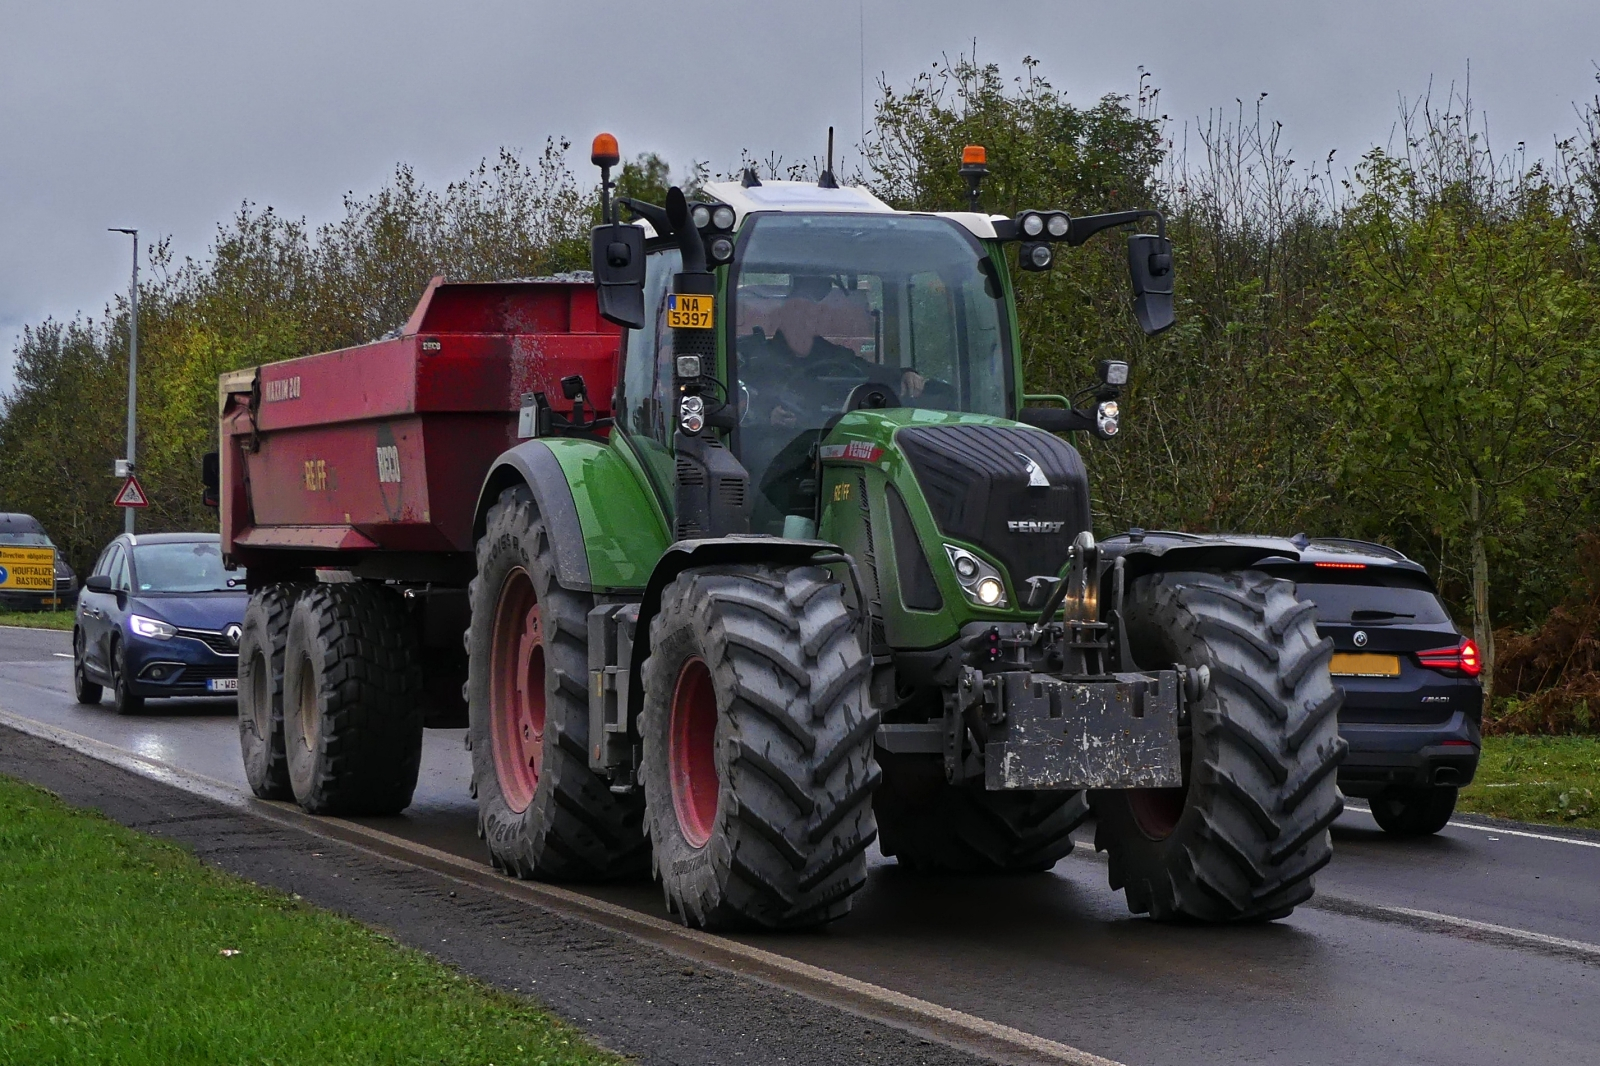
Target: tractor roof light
(720, 250)
(1058, 224)
(722, 217)
(1031, 223)
(700, 216)
(1035, 255)
(604, 151)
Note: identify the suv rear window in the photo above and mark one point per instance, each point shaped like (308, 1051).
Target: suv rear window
(1373, 605)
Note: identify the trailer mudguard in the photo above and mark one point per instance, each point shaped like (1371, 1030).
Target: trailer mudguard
(605, 528)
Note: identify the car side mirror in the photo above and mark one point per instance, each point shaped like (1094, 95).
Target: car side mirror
(210, 480)
(616, 254)
(98, 583)
(1150, 271)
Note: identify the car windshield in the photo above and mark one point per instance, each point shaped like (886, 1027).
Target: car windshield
(184, 566)
(826, 303)
(1374, 605)
(34, 539)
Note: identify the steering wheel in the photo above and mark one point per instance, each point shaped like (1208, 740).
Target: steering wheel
(872, 396)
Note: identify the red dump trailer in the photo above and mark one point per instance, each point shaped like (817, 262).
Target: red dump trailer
(364, 467)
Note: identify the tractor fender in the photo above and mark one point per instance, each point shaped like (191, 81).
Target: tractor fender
(532, 463)
(1211, 553)
(748, 549)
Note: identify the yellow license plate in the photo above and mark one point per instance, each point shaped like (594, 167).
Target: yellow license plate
(690, 312)
(1364, 664)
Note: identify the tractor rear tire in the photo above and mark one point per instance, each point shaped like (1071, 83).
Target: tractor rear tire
(1413, 812)
(1242, 838)
(541, 810)
(352, 719)
(933, 827)
(262, 645)
(758, 762)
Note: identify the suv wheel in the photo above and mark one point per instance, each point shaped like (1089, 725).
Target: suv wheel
(124, 699)
(85, 690)
(1415, 811)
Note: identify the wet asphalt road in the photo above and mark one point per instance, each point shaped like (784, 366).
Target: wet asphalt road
(1058, 954)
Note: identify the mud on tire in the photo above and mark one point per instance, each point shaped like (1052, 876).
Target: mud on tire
(758, 763)
(262, 645)
(352, 721)
(562, 821)
(1242, 839)
(931, 826)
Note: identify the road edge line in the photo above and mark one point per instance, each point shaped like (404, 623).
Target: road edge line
(920, 1017)
(1455, 925)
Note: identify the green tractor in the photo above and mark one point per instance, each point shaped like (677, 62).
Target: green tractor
(876, 611)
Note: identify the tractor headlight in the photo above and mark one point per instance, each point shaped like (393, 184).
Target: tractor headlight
(1031, 224)
(692, 414)
(722, 217)
(721, 250)
(979, 581)
(1058, 224)
(1105, 418)
(700, 216)
(154, 628)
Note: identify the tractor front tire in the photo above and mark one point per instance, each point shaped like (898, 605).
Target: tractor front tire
(352, 719)
(1242, 838)
(262, 646)
(933, 827)
(541, 810)
(758, 762)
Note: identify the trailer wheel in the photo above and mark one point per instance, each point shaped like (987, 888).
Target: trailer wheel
(352, 719)
(542, 811)
(1242, 838)
(262, 645)
(931, 826)
(758, 763)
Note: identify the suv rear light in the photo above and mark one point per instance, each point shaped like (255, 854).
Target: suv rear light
(1339, 566)
(1464, 657)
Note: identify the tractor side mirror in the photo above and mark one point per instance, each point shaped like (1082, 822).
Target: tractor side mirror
(1150, 271)
(210, 480)
(616, 253)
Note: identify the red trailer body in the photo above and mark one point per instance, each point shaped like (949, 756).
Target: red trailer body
(384, 447)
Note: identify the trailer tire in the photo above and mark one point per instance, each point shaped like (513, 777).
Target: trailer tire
(1242, 838)
(263, 642)
(541, 810)
(933, 827)
(352, 719)
(758, 765)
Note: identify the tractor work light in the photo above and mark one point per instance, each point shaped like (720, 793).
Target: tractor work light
(979, 581)
(1031, 224)
(1057, 224)
(720, 250)
(692, 414)
(1035, 256)
(688, 366)
(1105, 418)
(700, 215)
(1114, 372)
(722, 217)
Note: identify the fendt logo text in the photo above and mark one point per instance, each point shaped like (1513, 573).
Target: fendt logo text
(1028, 526)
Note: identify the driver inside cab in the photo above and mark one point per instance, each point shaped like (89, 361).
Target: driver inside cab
(795, 373)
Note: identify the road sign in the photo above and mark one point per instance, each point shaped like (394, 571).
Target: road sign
(132, 494)
(28, 569)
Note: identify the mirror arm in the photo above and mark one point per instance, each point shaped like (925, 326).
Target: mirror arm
(1085, 226)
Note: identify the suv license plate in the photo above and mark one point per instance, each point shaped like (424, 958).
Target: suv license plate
(223, 684)
(1364, 664)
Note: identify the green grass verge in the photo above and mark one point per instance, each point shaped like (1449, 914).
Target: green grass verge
(1538, 779)
(37, 619)
(115, 947)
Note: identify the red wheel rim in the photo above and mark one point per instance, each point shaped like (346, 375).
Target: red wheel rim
(516, 691)
(692, 752)
(1156, 810)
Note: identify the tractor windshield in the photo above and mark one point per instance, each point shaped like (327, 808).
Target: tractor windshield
(824, 304)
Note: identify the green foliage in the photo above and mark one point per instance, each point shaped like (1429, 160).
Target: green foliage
(117, 948)
(1537, 779)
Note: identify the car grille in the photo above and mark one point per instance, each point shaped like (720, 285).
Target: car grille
(193, 675)
(63, 584)
(215, 641)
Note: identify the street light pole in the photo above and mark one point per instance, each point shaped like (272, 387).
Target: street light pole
(133, 362)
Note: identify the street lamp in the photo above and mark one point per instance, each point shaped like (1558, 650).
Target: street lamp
(133, 360)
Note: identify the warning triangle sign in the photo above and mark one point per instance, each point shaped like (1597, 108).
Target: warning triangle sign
(132, 494)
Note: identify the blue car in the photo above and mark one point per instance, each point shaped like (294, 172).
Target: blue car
(159, 616)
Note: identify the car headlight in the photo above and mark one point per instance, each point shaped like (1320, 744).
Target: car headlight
(979, 581)
(154, 628)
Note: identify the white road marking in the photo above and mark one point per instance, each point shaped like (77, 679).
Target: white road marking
(1360, 908)
(909, 1013)
(62, 654)
(1505, 832)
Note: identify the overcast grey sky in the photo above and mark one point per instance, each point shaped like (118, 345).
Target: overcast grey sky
(165, 114)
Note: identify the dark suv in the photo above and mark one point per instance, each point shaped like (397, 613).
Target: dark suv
(1413, 701)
